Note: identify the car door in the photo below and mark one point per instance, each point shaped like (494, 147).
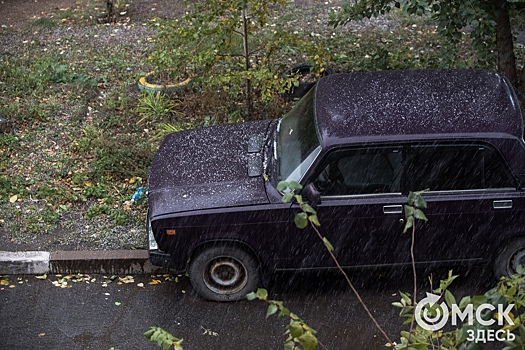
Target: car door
(472, 200)
(361, 206)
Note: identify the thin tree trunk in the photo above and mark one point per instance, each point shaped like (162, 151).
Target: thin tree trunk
(504, 43)
(249, 99)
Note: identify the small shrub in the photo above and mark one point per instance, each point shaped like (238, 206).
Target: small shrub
(121, 157)
(62, 74)
(14, 185)
(7, 140)
(97, 210)
(115, 157)
(99, 191)
(119, 217)
(153, 106)
(50, 193)
(45, 23)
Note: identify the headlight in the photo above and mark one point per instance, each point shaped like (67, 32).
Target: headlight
(151, 238)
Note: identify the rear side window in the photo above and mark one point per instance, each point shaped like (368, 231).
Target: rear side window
(452, 167)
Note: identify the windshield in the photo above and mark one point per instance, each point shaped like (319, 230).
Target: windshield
(297, 140)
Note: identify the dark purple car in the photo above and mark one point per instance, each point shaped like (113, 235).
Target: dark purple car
(358, 143)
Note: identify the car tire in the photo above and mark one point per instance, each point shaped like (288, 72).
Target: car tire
(223, 273)
(509, 257)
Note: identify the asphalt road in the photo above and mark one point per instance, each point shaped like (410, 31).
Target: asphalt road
(36, 314)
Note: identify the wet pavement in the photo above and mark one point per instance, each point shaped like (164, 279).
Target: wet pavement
(36, 314)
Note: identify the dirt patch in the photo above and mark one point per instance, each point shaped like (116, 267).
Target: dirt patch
(16, 13)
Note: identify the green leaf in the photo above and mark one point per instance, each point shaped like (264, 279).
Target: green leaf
(314, 220)
(447, 342)
(301, 220)
(409, 224)
(149, 332)
(281, 186)
(295, 186)
(411, 198)
(272, 309)
(420, 202)
(409, 211)
(449, 298)
(418, 214)
(289, 345)
(444, 284)
(307, 208)
(251, 296)
(166, 345)
(308, 341)
(262, 293)
(284, 312)
(327, 244)
(296, 330)
(287, 197)
(463, 303)
(406, 298)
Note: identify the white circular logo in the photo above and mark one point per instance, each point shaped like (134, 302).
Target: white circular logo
(423, 317)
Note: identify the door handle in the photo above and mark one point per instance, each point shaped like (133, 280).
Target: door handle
(503, 204)
(392, 209)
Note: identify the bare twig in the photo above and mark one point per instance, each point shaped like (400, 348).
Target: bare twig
(414, 297)
(334, 258)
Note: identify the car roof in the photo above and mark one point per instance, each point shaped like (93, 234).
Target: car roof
(418, 104)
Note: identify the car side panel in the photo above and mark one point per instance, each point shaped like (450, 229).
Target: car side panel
(468, 226)
(268, 230)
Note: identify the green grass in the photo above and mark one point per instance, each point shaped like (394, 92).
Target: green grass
(67, 97)
(45, 23)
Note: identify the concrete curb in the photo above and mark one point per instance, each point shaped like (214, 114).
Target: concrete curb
(115, 262)
(24, 262)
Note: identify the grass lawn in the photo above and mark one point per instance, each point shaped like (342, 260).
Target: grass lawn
(84, 134)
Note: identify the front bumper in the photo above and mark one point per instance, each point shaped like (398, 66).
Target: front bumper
(156, 256)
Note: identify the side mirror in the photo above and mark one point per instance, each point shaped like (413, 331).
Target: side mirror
(311, 193)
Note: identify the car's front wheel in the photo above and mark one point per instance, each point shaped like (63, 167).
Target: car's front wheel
(223, 273)
(510, 257)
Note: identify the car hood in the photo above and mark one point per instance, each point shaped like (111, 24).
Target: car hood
(213, 167)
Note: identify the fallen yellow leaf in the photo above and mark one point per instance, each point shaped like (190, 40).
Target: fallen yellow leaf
(13, 198)
(154, 282)
(127, 279)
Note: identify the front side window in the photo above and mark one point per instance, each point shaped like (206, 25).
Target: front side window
(456, 167)
(360, 171)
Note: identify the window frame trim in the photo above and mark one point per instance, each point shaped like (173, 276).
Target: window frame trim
(404, 149)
